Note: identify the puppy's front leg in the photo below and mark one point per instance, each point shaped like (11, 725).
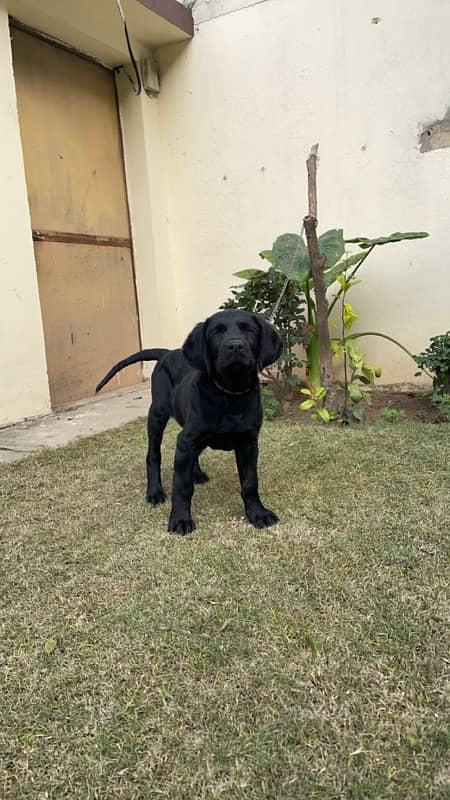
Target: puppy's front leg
(247, 464)
(186, 454)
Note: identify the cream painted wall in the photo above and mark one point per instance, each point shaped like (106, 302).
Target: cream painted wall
(147, 201)
(240, 107)
(23, 383)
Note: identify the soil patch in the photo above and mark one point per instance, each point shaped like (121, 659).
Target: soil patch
(415, 403)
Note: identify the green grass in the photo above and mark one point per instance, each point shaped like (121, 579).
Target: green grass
(305, 661)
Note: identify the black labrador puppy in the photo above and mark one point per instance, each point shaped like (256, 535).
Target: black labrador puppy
(211, 388)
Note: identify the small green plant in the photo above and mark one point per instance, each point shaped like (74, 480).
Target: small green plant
(270, 403)
(436, 359)
(435, 362)
(259, 294)
(392, 415)
(316, 403)
(442, 402)
(358, 373)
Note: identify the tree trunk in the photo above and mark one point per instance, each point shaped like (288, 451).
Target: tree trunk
(317, 264)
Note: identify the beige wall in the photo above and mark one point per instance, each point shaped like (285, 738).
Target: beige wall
(147, 200)
(23, 381)
(242, 104)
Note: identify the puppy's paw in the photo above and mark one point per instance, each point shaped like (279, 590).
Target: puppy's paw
(262, 518)
(200, 477)
(181, 523)
(155, 496)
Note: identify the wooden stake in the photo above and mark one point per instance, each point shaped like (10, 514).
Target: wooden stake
(317, 264)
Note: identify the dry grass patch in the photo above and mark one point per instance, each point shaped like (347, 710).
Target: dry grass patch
(306, 661)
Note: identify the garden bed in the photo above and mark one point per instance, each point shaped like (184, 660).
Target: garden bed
(414, 403)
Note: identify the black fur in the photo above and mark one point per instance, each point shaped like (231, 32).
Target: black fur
(211, 388)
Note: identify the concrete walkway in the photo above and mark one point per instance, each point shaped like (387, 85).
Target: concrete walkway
(80, 419)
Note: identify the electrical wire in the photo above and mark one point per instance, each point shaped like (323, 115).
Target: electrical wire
(137, 86)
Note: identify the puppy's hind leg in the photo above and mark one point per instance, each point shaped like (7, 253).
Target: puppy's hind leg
(157, 421)
(158, 416)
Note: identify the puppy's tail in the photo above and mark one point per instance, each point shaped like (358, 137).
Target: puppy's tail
(143, 355)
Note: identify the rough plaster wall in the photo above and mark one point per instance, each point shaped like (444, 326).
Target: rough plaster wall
(23, 371)
(146, 197)
(436, 135)
(204, 10)
(241, 106)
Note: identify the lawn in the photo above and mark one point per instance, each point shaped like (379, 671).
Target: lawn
(306, 661)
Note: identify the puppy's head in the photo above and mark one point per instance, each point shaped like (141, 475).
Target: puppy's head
(231, 347)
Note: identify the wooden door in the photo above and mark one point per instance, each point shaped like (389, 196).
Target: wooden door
(77, 195)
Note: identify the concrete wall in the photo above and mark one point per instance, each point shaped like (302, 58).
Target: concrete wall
(148, 215)
(240, 107)
(23, 381)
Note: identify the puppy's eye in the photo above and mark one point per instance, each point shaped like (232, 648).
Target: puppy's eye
(218, 329)
(247, 329)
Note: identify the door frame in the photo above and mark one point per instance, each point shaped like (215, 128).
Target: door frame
(78, 238)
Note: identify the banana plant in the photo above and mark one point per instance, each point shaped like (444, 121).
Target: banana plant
(289, 255)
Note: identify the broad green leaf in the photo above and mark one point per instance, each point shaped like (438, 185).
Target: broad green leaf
(365, 379)
(324, 414)
(357, 414)
(371, 370)
(289, 255)
(336, 347)
(350, 316)
(365, 243)
(246, 274)
(331, 275)
(320, 393)
(355, 392)
(354, 354)
(306, 391)
(331, 245)
(349, 261)
(306, 404)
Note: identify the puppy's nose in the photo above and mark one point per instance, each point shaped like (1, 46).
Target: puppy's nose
(235, 346)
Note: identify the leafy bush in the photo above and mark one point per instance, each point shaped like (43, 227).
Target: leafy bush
(259, 294)
(270, 403)
(436, 359)
(442, 402)
(392, 415)
(296, 318)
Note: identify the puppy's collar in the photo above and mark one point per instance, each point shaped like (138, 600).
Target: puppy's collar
(228, 391)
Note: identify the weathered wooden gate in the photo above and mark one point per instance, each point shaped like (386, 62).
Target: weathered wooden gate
(78, 203)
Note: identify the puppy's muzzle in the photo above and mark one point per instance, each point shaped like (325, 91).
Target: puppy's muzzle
(235, 346)
(235, 351)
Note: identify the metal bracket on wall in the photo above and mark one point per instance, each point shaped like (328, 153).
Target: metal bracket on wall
(150, 76)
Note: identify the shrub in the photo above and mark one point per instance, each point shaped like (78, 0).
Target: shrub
(436, 359)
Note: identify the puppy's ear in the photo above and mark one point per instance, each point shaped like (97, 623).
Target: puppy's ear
(195, 348)
(270, 344)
